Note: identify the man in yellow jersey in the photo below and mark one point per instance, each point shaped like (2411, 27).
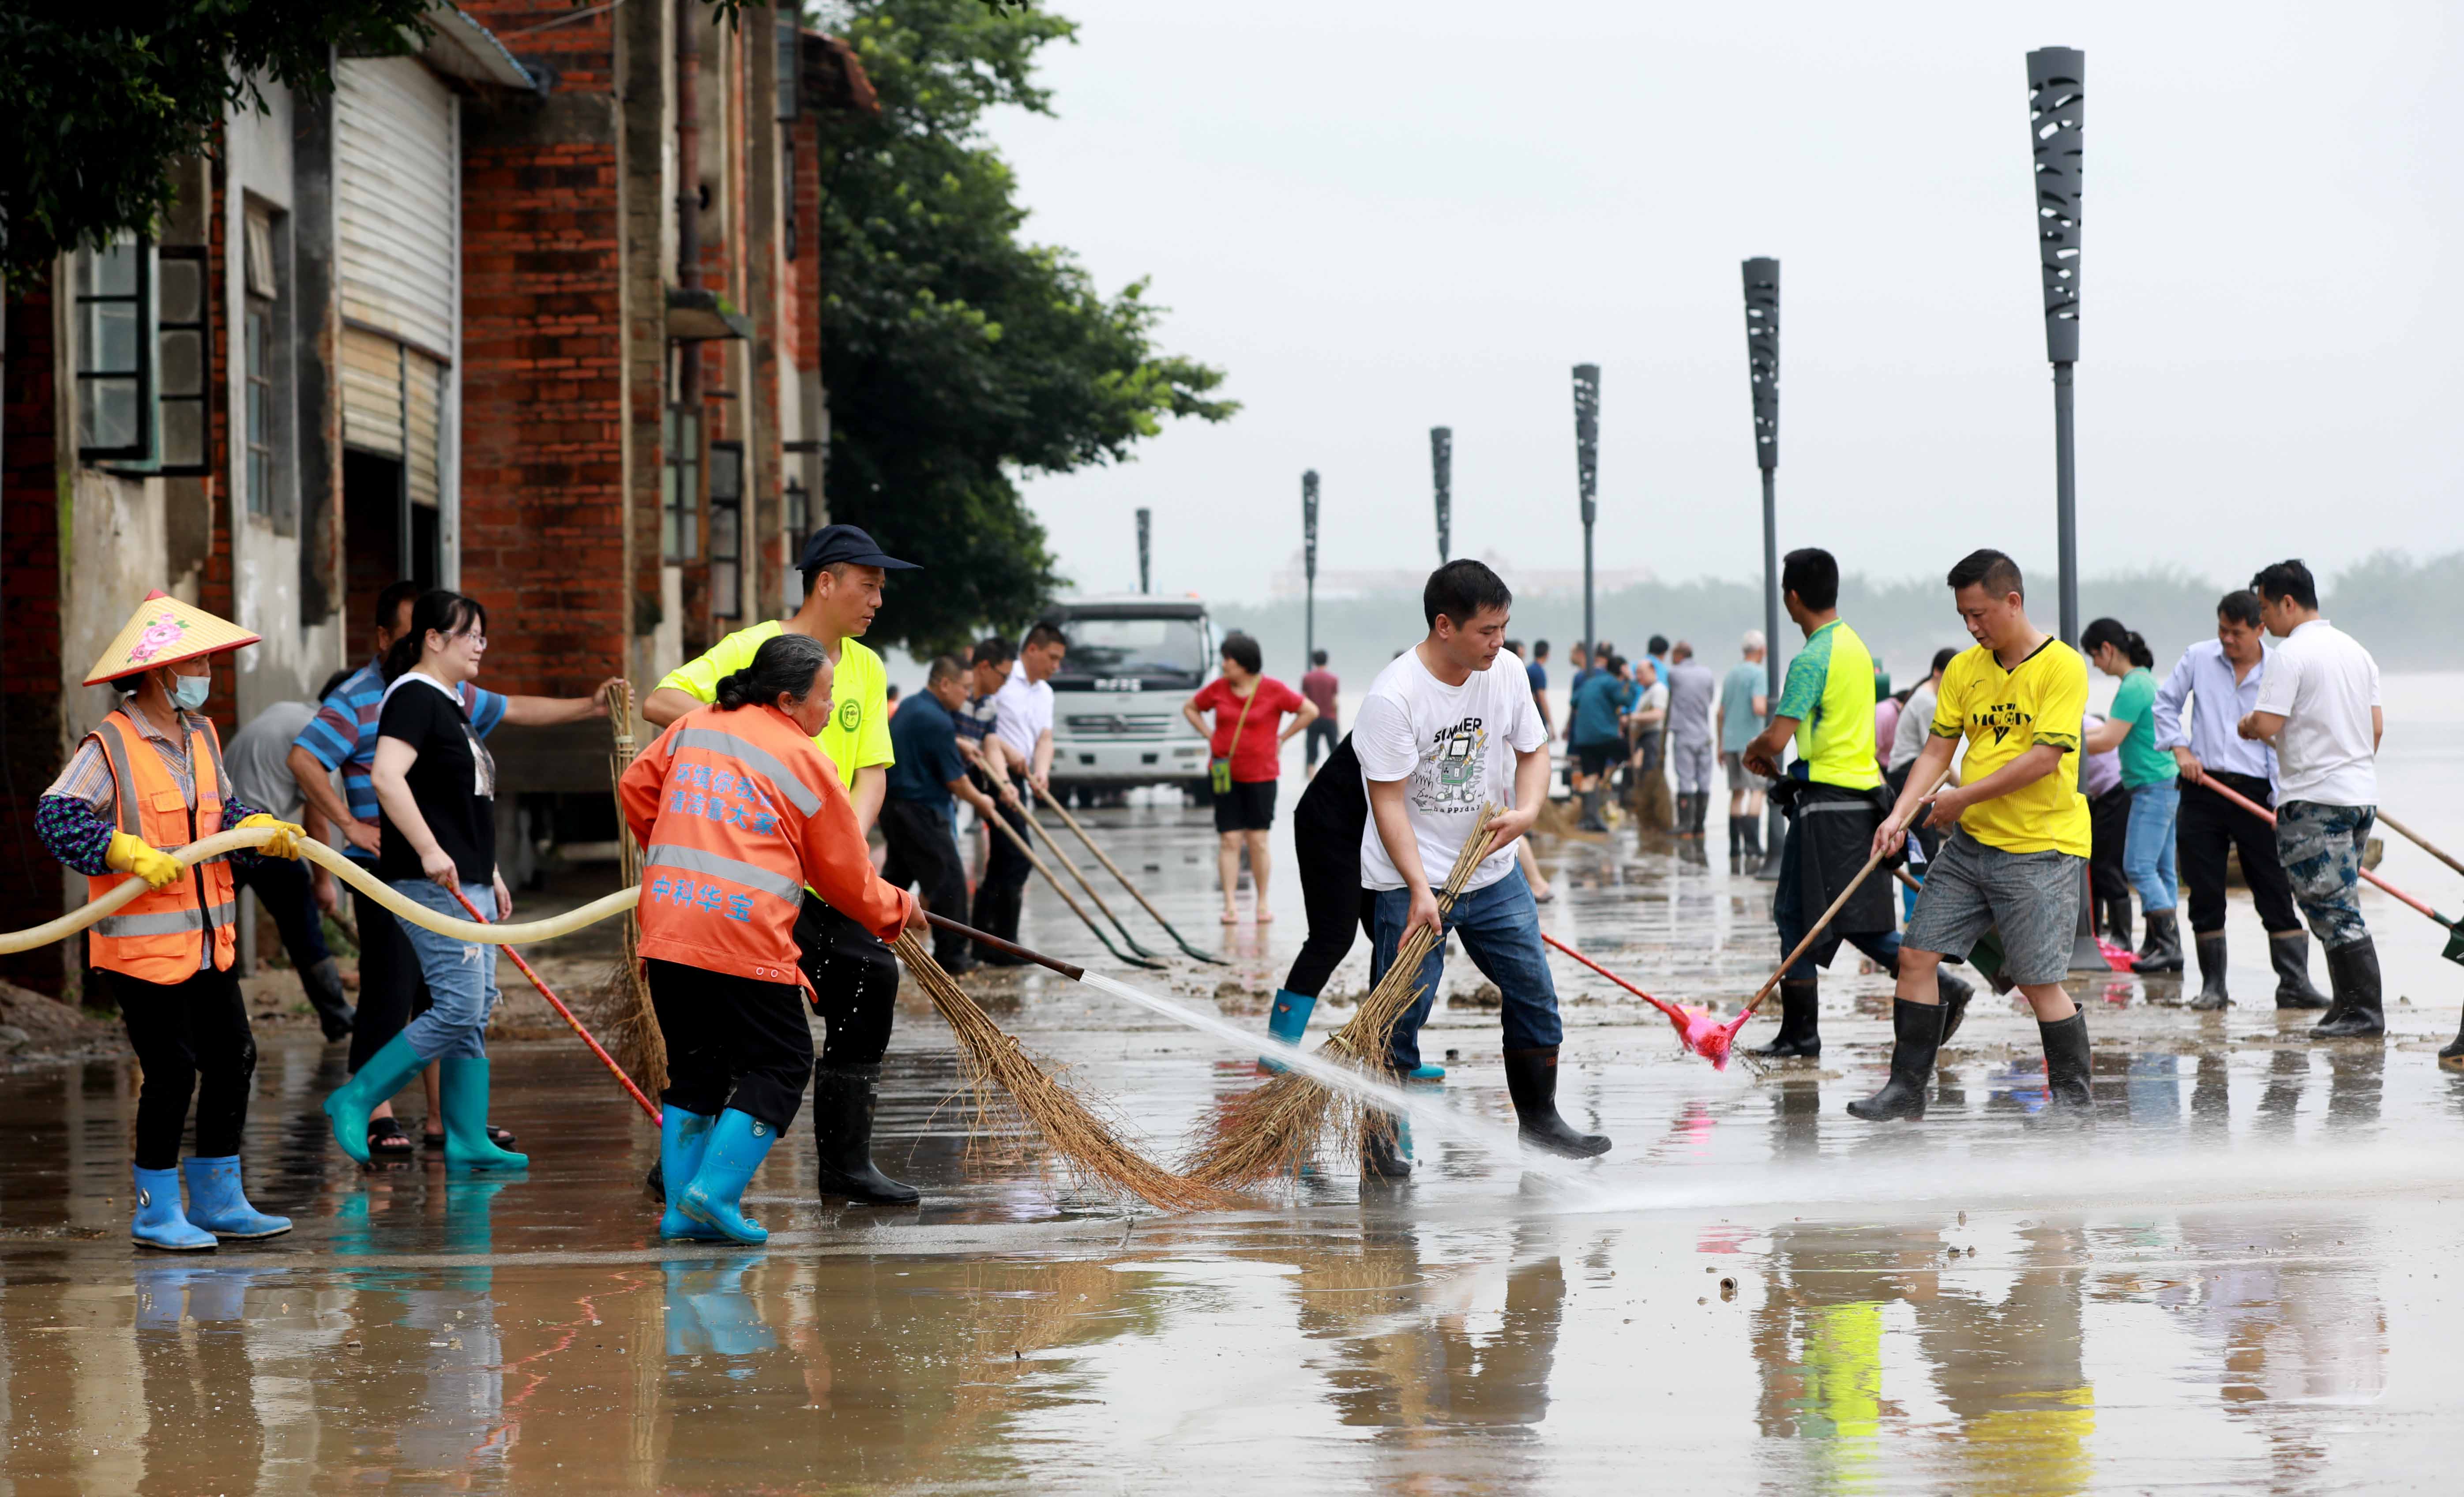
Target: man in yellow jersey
(2018, 835)
(854, 977)
(1832, 797)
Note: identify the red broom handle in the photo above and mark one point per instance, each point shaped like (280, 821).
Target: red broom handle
(2211, 782)
(1606, 973)
(649, 1106)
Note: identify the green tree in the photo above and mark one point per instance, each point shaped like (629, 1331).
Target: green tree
(957, 354)
(100, 103)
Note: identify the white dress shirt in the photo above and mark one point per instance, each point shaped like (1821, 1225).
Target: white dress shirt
(2325, 686)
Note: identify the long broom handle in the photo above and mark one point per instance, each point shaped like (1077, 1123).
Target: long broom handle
(1075, 908)
(1115, 868)
(2419, 841)
(649, 1106)
(2211, 782)
(1814, 933)
(1080, 875)
(1606, 973)
(943, 922)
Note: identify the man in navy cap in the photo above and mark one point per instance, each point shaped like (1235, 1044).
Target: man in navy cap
(854, 977)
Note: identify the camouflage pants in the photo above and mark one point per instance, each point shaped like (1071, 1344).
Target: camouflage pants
(2320, 846)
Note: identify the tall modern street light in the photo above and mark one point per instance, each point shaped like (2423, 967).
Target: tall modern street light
(1762, 371)
(2056, 108)
(1587, 478)
(1309, 569)
(1146, 530)
(1442, 468)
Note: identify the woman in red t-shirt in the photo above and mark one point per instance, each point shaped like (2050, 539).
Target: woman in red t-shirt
(1249, 730)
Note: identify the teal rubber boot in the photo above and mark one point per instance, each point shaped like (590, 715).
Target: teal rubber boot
(683, 1139)
(738, 1142)
(217, 1205)
(158, 1220)
(1288, 1021)
(1424, 1071)
(351, 1103)
(462, 1087)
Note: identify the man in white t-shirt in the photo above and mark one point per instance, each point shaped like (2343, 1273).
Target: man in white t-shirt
(2319, 705)
(1440, 736)
(1022, 722)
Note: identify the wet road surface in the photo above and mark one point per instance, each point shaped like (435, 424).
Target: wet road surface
(2237, 1278)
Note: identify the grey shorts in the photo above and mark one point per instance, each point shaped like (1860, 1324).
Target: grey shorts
(2032, 897)
(1740, 778)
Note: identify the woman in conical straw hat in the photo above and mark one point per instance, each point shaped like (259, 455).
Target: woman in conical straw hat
(147, 780)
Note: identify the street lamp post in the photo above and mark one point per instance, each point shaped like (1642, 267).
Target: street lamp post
(2056, 109)
(1308, 570)
(1761, 370)
(1146, 529)
(1442, 468)
(1587, 478)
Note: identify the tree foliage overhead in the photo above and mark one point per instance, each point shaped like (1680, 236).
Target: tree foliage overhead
(956, 353)
(101, 102)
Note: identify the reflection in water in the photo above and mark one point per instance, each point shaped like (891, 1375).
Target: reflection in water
(709, 1313)
(194, 1360)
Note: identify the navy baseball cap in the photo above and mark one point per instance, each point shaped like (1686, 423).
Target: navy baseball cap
(834, 545)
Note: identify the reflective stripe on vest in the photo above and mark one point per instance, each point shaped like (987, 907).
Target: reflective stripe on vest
(752, 755)
(736, 870)
(166, 935)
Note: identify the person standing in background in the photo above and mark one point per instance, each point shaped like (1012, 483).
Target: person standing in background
(988, 667)
(2219, 678)
(920, 814)
(1691, 747)
(2318, 706)
(297, 892)
(1538, 673)
(2109, 822)
(1320, 685)
(1023, 736)
(1581, 658)
(1745, 705)
(1595, 735)
(1647, 727)
(1248, 737)
(2150, 776)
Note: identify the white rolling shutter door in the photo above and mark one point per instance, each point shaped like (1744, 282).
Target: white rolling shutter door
(397, 200)
(371, 392)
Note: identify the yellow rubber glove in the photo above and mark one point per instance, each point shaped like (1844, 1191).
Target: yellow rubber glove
(131, 854)
(284, 846)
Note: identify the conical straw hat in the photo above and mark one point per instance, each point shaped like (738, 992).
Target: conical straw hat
(161, 632)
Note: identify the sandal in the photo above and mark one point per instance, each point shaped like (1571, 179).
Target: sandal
(387, 1140)
(501, 1137)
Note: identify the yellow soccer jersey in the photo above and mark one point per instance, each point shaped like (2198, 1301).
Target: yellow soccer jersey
(2003, 714)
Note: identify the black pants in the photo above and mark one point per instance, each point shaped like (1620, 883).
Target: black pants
(1000, 897)
(2210, 824)
(191, 1037)
(1335, 902)
(1320, 734)
(731, 1042)
(855, 983)
(283, 886)
(2108, 820)
(390, 983)
(924, 854)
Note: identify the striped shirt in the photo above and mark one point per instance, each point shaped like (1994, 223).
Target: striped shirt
(343, 737)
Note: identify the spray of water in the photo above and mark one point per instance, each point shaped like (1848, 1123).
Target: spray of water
(1445, 1120)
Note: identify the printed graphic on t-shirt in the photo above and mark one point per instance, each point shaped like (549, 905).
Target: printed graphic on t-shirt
(850, 715)
(1999, 719)
(1453, 773)
(483, 765)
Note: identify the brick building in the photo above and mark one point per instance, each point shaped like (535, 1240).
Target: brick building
(461, 320)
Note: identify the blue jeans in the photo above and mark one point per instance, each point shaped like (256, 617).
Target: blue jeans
(2147, 848)
(461, 975)
(1882, 946)
(1499, 928)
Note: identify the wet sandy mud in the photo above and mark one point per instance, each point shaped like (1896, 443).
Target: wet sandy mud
(2245, 1274)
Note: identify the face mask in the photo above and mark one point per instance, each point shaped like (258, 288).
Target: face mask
(189, 692)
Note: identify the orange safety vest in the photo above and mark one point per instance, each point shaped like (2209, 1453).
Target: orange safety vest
(738, 813)
(157, 937)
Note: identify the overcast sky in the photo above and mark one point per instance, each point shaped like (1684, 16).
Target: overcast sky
(1382, 217)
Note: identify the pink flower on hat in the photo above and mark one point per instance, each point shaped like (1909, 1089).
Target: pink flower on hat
(160, 635)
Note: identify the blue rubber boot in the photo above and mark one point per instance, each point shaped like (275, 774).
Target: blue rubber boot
(738, 1141)
(1288, 1021)
(1427, 1072)
(218, 1203)
(683, 1139)
(351, 1103)
(462, 1087)
(158, 1220)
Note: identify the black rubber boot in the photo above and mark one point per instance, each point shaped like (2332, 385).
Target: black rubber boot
(2353, 976)
(1800, 1030)
(1916, 1037)
(1532, 1081)
(2117, 920)
(2164, 951)
(2290, 953)
(323, 983)
(2451, 1058)
(2066, 1063)
(1590, 821)
(1751, 835)
(1381, 1155)
(1736, 841)
(842, 1137)
(2211, 997)
(1956, 993)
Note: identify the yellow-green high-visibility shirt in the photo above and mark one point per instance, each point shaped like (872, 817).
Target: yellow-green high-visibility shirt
(858, 734)
(1830, 692)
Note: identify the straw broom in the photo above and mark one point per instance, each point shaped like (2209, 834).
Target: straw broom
(623, 1011)
(1279, 1127)
(1007, 1083)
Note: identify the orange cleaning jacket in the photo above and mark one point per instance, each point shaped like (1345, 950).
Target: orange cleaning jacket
(160, 936)
(738, 813)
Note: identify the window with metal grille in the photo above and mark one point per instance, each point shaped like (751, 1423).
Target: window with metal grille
(260, 406)
(180, 339)
(680, 485)
(727, 530)
(114, 365)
